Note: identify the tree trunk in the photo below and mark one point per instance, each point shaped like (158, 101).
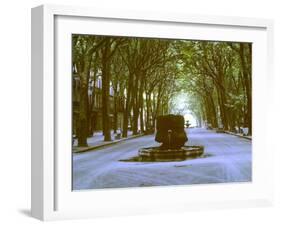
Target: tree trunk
(214, 112)
(115, 115)
(92, 102)
(141, 118)
(136, 106)
(147, 111)
(246, 72)
(127, 107)
(105, 91)
(83, 121)
(83, 113)
(141, 111)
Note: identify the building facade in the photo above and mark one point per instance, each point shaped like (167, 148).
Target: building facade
(116, 105)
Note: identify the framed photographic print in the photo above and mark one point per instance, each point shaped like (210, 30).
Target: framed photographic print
(137, 112)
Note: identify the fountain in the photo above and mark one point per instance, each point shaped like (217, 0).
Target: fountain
(171, 133)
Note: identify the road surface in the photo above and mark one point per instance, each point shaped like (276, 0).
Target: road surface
(228, 159)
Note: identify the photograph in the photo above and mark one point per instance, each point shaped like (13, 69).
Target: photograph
(160, 112)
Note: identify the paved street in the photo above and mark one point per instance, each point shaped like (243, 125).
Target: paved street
(228, 159)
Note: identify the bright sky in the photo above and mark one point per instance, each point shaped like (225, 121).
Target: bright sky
(192, 120)
(180, 106)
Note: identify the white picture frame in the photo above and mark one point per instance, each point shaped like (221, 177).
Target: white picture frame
(52, 197)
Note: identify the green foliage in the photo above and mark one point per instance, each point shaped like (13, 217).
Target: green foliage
(213, 73)
(150, 73)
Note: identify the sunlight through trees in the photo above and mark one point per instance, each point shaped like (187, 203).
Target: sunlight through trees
(124, 83)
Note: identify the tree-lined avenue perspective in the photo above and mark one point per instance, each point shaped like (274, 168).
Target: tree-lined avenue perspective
(120, 85)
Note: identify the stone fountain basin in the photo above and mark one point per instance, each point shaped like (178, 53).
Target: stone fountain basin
(167, 155)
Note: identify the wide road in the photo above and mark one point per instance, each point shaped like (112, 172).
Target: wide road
(228, 159)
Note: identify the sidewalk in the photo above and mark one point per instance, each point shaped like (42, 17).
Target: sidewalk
(239, 135)
(97, 141)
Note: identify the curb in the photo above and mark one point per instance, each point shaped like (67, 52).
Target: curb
(238, 135)
(107, 144)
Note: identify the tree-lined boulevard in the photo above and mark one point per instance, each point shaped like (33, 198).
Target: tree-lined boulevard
(122, 84)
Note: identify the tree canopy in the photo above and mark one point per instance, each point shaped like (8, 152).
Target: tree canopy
(148, 74)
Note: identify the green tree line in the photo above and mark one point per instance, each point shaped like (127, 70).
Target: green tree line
(142, 70)
(218, 78)
(148, 73)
